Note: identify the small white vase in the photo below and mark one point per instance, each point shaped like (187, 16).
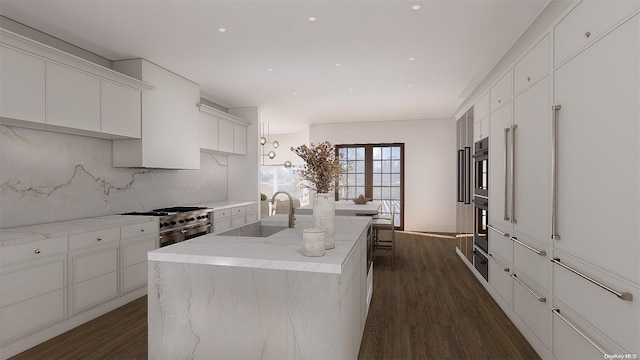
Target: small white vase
(313, 242)
(324, 217)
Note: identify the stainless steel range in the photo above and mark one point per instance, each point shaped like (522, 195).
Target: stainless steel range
(180, 223)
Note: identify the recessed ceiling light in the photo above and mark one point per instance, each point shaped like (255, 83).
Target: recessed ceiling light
(312, 18)
(416, 7)
(222, 30)
(350, 90)
(270, 70)
(409, 86)
(412, 58)
(294, 93)
(337, 64)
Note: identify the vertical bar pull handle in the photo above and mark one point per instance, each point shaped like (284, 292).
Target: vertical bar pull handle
(556, 311)
(460, 175)
(467, 175)
(506, 178)
(513, 173)
(554, 177)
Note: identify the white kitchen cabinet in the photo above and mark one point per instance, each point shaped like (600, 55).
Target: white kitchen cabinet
(119, 110)
(94, 276)
(136, 241)
(533, 66)
(481, 111)
(499, 169)
(208, 131)
(251, 213)
(22, 86)
(33, 296)
(502, 91)
(586, 23)
(499, 278)
(73, 98)
(170, 121)
(225, 135)
(221, 220)
(531, 304)
(597, 151)
(221, 132)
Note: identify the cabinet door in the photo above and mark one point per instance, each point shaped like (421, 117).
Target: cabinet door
(598, 148)
(134, 262)
(73, 98)
(239, 139)
(225, 135)
(22, 86)
(532, 116)
(499, 168)
(208, 131)
(120, 110)
(94, 277)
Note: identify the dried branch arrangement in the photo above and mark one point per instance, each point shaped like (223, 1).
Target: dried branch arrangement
(321, 169)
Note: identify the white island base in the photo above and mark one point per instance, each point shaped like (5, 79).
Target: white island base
(232, 297)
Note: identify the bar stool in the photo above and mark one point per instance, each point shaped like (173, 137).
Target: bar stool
(384, 222)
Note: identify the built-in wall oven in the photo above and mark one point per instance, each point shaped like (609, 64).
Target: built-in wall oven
(481, 207)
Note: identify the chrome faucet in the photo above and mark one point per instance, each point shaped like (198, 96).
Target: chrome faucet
(291, 218)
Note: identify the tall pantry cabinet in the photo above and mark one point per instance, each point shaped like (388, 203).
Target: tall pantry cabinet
(564, 185)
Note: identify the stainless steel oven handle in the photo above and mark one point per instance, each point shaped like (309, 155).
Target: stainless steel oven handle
(554, 178)
(556, 311)
(498, 231)
(539, 252)
(506, 178)
(539, 298)
(626, 296)
(513, 174)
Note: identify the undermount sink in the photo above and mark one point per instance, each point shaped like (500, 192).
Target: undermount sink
(256, 229)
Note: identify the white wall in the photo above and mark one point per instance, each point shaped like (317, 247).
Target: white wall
(430, 165)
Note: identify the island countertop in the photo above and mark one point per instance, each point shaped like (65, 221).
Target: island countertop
(280, 251)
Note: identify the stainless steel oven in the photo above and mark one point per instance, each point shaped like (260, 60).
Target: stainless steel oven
(173, 236)
(481, 167)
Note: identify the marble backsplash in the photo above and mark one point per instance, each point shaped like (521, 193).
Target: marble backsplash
(47, 177)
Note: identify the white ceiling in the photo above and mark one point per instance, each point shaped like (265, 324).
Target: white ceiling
(455, 44)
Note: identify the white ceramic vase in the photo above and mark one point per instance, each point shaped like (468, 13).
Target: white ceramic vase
(324, 217)
(313, 242)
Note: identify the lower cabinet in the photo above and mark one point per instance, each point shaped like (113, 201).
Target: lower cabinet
(531, 305)
(134, 262)
(94, 276)
(33, 296)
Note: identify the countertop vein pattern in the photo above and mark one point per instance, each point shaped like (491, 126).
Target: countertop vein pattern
(280, 251)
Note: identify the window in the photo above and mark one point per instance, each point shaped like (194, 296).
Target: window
(375, 171)
(279, 178)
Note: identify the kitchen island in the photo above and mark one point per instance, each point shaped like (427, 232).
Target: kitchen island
(224, 297)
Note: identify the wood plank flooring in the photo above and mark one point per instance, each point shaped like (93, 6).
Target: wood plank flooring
(430, 307)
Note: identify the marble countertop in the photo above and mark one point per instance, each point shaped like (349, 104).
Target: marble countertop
(281, 251)
(219, 205)
(22, 234)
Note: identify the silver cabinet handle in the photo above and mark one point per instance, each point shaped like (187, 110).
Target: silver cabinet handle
(539, 298)
(498, 231)
(505, 269)
(626, 296)
(467, 175)
(554, 177)
(556, 311)
(141, 230)
(513, 178)
(539, 252)
(37, 251)
(506, 178)
(99, 239)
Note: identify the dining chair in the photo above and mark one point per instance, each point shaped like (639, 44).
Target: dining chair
(385, 222)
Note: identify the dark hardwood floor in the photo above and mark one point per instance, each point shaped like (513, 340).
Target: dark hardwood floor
(430, 307)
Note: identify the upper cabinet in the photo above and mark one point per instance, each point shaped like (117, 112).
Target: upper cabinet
(221, 132)
(47, 89)
(532, 67)
(501, 92)
(170, 121)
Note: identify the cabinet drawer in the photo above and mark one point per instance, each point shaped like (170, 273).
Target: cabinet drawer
(481, 108)
(222, 225)
(586, 23)
(134, 276)
(527, 261)
(500, 245)
(251, 208)
(603, 310)
(237, 220)
(136, 252)
(238, 210)
(93, 238)
(533, 66)
(569, 344)
(33, 250)
(221, 214)
(93, 292)
(500, 279)
(531, 304)
(135, 230)
(251, 217)
(31, 315)
(31, 282)
(88, 266)
(501, 92)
